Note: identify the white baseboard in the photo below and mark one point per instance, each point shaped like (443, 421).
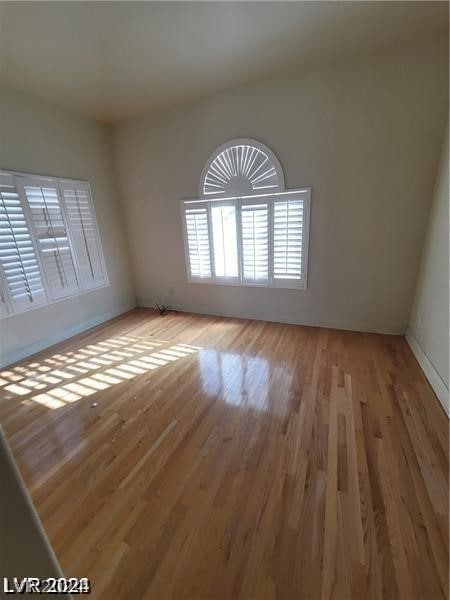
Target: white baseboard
(435, 380)
(277, 318)
(26, 351)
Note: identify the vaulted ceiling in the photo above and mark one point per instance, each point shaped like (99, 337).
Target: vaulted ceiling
(113, 60)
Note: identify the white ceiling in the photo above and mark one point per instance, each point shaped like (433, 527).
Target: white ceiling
(113, 60)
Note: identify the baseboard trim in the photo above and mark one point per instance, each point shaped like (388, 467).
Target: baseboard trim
(26, 351)
(276, 318)
(435, 380)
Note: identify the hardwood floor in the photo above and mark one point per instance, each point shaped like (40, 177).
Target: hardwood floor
(234, 459)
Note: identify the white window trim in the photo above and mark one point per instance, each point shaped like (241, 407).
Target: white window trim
(21, 178)
(238, 201)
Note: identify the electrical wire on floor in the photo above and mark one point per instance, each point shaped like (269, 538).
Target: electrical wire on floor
(164, 310)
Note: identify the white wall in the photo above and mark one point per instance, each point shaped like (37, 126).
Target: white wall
(39, 138)
(428, 332)
(365, 136)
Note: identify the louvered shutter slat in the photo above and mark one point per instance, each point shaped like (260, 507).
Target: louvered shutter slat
(51, 232)
(85, 236)
(255, 243)
(288, 239)
(198, 242)
(21, 271)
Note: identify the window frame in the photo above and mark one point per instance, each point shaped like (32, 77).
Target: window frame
(21, 179)
(238, 201)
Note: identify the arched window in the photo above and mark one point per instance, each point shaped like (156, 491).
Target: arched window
(245, 228)
(239, 168)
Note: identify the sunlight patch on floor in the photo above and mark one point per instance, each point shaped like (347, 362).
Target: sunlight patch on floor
(96, 367)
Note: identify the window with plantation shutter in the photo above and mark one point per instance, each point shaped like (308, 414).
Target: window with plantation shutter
(84, 233)
(49, 243)
(253, 231)
(20, 272)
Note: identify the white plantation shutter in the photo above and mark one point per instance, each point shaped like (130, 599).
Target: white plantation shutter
(50, 229)
(248, 165)
(252, 230)
(260, 240)
(225, 241)
(288, 239)
(255, 242)
(197, 240)
(21, 273)
(84, 233)
(50, 248)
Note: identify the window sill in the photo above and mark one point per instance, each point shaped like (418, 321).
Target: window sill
(285, 285)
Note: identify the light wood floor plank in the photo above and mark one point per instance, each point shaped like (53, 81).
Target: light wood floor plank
(188, 457)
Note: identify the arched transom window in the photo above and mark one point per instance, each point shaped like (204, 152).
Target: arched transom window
(239, 168)
(245, 228)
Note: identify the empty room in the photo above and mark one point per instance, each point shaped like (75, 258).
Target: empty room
(224, 300)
